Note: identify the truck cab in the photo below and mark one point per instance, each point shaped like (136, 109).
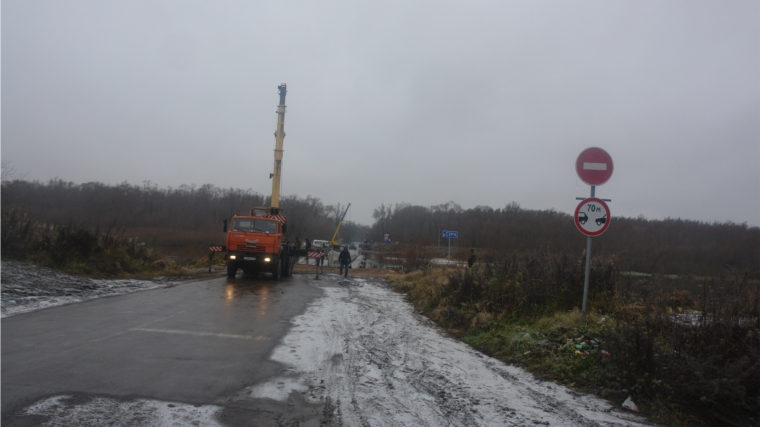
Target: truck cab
(257, 243)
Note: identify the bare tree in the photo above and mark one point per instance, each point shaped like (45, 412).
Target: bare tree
(10, 173)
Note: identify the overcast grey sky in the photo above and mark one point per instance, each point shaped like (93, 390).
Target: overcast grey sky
(481, 103)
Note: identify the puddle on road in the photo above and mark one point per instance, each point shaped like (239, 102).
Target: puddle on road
(237, 288)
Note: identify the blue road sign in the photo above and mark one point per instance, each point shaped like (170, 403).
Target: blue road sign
(450, 234)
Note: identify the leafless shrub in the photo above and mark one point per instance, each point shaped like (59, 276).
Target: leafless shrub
(692, 343)
(705, 357)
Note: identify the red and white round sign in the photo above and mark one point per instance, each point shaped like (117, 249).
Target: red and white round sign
(592, 216)
(594, 166)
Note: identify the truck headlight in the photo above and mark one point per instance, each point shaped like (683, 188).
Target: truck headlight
(266, 259)
(233, 257)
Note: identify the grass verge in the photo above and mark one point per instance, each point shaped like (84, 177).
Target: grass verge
(84, 251)
(685, 358)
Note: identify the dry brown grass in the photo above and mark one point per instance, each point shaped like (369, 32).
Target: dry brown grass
(677, 353)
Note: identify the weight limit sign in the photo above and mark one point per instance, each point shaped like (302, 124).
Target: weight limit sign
(592, 216)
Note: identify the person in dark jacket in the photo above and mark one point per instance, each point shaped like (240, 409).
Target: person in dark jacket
(471, 259)
(345, 260)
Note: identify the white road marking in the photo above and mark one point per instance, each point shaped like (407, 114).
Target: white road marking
(594, 166)
(201, 334)
(124, 332)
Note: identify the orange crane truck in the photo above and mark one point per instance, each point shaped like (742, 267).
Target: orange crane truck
(258, 241)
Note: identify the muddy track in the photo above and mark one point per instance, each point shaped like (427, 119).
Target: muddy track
(366, 355)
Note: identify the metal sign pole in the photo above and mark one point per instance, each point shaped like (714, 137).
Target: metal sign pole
(449, 234)
(588, 268)
(585, 279)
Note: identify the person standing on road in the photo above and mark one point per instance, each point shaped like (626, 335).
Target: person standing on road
(345, 260)
(471, 259)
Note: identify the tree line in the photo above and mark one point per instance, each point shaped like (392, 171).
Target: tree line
(669, 246)
(191, 217)
(166, 217)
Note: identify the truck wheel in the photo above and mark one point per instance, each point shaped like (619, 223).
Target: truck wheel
(231, 270)
(277, 270)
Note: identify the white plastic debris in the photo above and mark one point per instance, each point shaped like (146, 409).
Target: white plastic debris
(628, 404)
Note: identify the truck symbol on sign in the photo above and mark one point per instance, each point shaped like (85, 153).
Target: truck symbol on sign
(602, 220)
(582, 218)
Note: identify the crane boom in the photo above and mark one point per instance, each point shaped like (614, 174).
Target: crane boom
(333, 241)
(279, 135)
(258, 241)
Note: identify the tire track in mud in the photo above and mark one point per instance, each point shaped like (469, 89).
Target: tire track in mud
(371, 361)
(553, 399)
(389, 351)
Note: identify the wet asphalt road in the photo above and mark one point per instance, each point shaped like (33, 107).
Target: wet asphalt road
(200, 342)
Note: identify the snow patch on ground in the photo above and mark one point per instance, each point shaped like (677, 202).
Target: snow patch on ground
(28, 287)
(66, 411)
(363, 348)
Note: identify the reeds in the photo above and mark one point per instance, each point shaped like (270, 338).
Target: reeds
(75, 249)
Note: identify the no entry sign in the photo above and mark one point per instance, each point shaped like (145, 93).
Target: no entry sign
(592, 216)
(594, 166)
